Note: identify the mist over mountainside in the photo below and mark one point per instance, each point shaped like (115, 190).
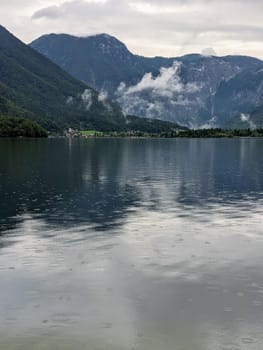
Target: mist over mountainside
(34, 87)
(194, 90)
(31, 86)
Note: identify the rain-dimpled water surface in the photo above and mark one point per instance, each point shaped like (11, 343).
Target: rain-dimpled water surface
(124, 244)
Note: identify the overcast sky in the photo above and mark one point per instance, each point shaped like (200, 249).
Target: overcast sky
(150, 27)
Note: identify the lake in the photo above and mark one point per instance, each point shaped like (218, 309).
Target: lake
(125, 244)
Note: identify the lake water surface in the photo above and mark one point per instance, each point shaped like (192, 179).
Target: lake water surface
(131, 244)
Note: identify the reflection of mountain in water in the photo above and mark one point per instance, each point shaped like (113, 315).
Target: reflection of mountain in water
(97, 182)
(64, 183)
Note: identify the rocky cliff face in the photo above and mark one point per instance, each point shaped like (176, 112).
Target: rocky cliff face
(194, 90)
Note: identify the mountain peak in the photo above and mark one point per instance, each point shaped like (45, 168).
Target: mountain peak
(99, 45)
(106, 42)
(101, 35)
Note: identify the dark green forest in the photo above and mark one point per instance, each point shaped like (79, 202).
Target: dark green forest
(20, 127)
(216, 133)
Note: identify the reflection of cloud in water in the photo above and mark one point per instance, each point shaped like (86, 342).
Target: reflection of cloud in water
(159, 275)
(133, 243)
(100, 181)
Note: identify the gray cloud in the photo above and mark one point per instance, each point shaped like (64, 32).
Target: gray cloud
(149, 27)
(48, 12)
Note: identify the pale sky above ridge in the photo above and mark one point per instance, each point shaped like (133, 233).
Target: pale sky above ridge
(150, 28)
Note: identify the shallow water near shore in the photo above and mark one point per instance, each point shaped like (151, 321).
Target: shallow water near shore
(131, 244)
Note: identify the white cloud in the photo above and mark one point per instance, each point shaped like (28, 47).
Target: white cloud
(167, 84)
(103, 98)
(156, 27)
(69, 100)
(87, 99)
(154, 96)
(209, 51)
(246, 119)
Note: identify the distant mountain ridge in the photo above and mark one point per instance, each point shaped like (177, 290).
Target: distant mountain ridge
(32, 86)
(190, 89)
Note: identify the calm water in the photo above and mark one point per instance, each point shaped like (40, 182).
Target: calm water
(131, 244)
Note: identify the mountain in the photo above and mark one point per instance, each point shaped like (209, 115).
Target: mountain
(241, 97)
(31, 86)
(194, 90)
(34, 87)
(101, 60)
(253, 120)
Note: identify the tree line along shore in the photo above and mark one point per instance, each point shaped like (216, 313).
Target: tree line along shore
(22, 127)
